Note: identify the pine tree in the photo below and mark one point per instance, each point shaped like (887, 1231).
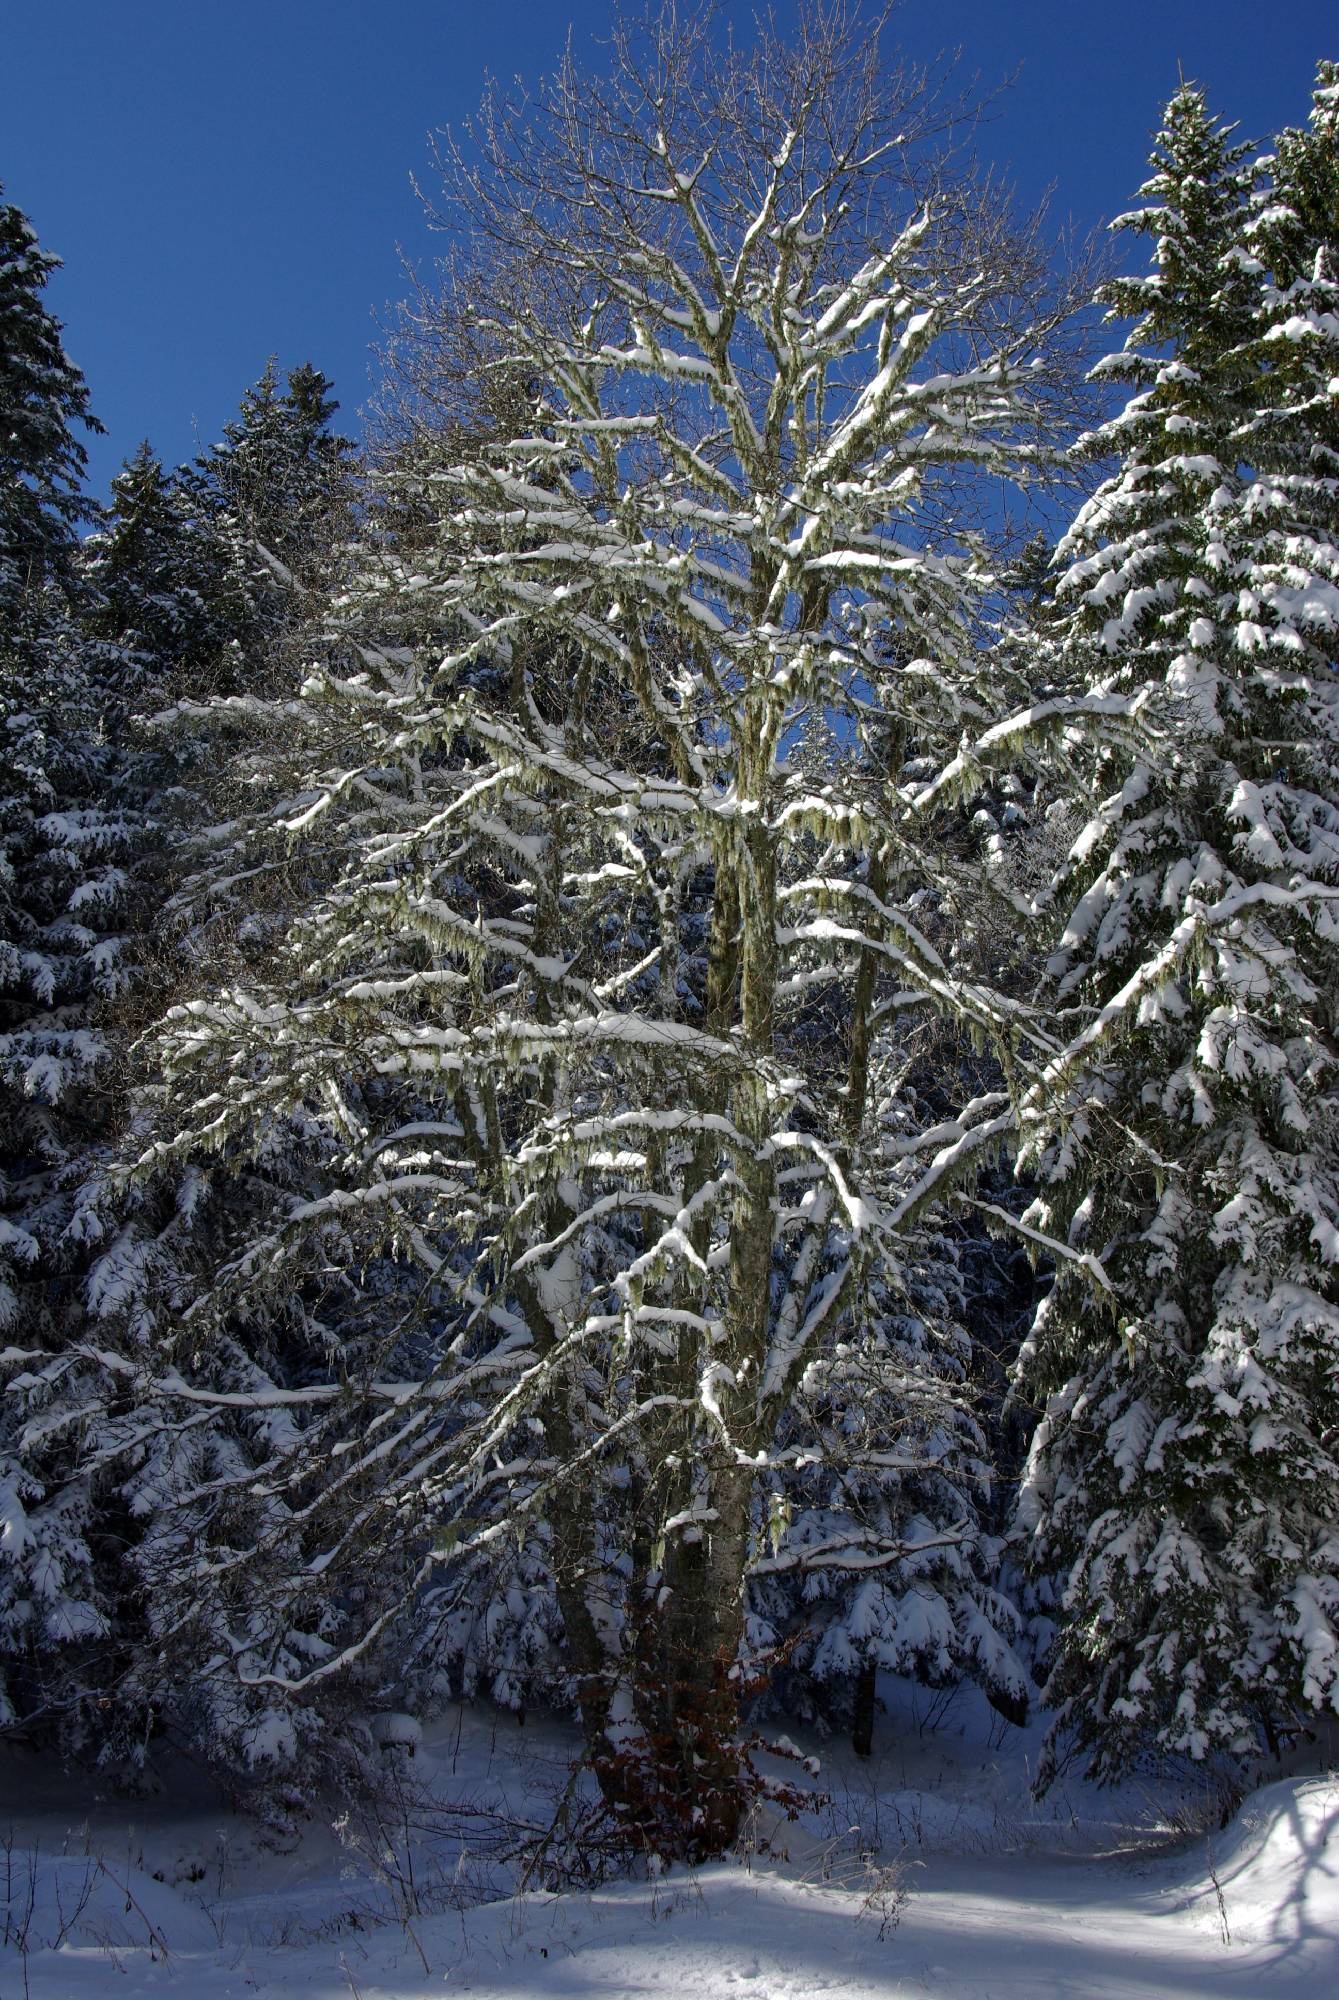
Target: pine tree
(64, 846)
(42, 397)
(1183, 1481)
(617, 777)
(885, 1448)
(278, 470)
(268, 504)
(171, 597)
(183, 598)
(148, 576)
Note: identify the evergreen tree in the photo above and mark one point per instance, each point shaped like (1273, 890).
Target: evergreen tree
(185, 596)
(43, 397)
(1183, 1481)
(170, 596)
(148, 575)
(176, 598)
(65, 842)
(269, 503)
(884, 1553)
(279, 469)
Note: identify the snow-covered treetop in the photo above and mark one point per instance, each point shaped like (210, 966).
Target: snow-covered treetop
(1191, 208)
(42, 394)
(1300, 207)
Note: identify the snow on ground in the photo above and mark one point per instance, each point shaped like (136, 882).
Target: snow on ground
(927, 1872)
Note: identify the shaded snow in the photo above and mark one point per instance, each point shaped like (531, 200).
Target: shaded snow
(973, 1894)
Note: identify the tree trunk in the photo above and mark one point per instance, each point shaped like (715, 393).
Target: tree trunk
(692, 1691)
(862, 1726)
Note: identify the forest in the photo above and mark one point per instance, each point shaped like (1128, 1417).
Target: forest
(668, 1033)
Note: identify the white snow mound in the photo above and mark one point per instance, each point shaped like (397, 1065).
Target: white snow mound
(52, 1902)
(1276, 1864)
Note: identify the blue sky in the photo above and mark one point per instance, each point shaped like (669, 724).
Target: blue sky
(227, 179)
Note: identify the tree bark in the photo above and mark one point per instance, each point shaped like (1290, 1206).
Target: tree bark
(862, 1725)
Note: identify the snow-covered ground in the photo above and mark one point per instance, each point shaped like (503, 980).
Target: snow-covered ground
(926, 1872)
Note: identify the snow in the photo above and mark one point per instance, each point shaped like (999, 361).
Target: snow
(926, 1871)
(394, 1730)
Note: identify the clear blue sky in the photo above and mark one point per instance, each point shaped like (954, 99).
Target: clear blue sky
(227, 179)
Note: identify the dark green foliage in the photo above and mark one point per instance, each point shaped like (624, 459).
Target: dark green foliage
(1184, 1481)
(42, 397)
(149, 576)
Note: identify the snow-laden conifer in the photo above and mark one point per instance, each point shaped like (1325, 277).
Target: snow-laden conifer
(65, 842)
(44, 400)
(268, 502)
(152, 600)
(1183, 1479)
(172, 595)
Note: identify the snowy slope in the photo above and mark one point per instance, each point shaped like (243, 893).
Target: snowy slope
(973, 1894)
